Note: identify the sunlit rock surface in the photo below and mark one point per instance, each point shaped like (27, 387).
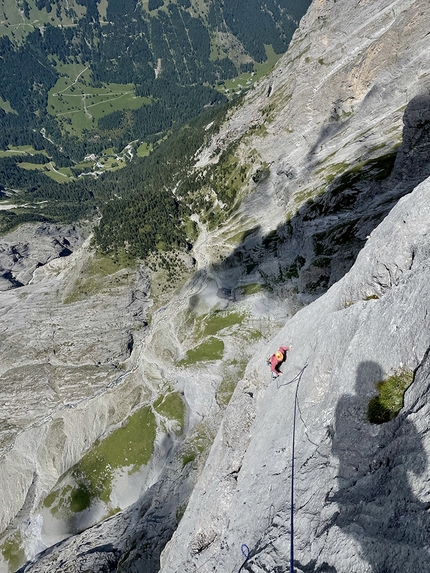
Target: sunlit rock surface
(361, 495)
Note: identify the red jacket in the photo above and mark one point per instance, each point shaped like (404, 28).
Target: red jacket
(275, 364)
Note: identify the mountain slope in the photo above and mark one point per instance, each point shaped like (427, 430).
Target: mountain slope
(69, 56)
(104, 84)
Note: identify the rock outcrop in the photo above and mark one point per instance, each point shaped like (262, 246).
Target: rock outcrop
(25, 250)
(65, 329)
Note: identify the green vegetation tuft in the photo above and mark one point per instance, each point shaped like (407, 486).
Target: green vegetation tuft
(172, 407)
(388, 403)
(13, 551)
(210, 349)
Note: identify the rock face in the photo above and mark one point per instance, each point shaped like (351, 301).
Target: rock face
(325, 129)
(31, 247)
(335, 136)
(360, 490)
(60, 349)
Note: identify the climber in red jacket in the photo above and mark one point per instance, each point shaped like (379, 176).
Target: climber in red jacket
(276, 360)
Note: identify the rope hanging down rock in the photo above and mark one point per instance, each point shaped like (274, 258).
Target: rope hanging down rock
(298, 377)
(244, 548)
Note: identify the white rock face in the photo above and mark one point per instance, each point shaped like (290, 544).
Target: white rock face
(58, 353)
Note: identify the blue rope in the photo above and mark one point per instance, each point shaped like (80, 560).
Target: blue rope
(298, 377)
(244, 548)
(246, 553)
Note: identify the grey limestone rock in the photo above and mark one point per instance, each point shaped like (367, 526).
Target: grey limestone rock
(361, 499)
(32, 246)
(61, 387)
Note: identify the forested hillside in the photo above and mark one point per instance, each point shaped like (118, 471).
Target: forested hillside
(90, 86)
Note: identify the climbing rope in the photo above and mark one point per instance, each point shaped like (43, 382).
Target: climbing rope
(244, 548)
(293, 446)
(296, 377)
(246, 553)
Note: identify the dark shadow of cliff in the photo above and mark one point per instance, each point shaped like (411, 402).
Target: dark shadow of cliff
(337, 120)
(376, 505)
(320, 243)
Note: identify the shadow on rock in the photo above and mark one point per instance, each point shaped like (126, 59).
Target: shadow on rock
(319, 244)
(377, 506)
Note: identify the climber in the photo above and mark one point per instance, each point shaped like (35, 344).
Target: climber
(276, 360)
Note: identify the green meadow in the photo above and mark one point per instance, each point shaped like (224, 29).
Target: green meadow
(130, 446)
(20, 150)
(245, 80)
(5, 105)
(77, 105)
(144, 149)
(14, 25)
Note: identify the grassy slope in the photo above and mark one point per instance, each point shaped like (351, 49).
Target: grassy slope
(77, 105)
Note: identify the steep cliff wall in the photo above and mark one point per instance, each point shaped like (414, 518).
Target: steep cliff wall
(322, 133)
(361, 493)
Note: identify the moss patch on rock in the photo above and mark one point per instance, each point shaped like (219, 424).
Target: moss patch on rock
(389, 401)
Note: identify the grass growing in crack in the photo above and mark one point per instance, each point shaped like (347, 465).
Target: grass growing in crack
(389, 401)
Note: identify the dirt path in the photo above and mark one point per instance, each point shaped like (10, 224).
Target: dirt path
(73, 83)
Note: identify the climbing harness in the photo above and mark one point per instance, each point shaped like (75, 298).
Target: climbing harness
(246, 553)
